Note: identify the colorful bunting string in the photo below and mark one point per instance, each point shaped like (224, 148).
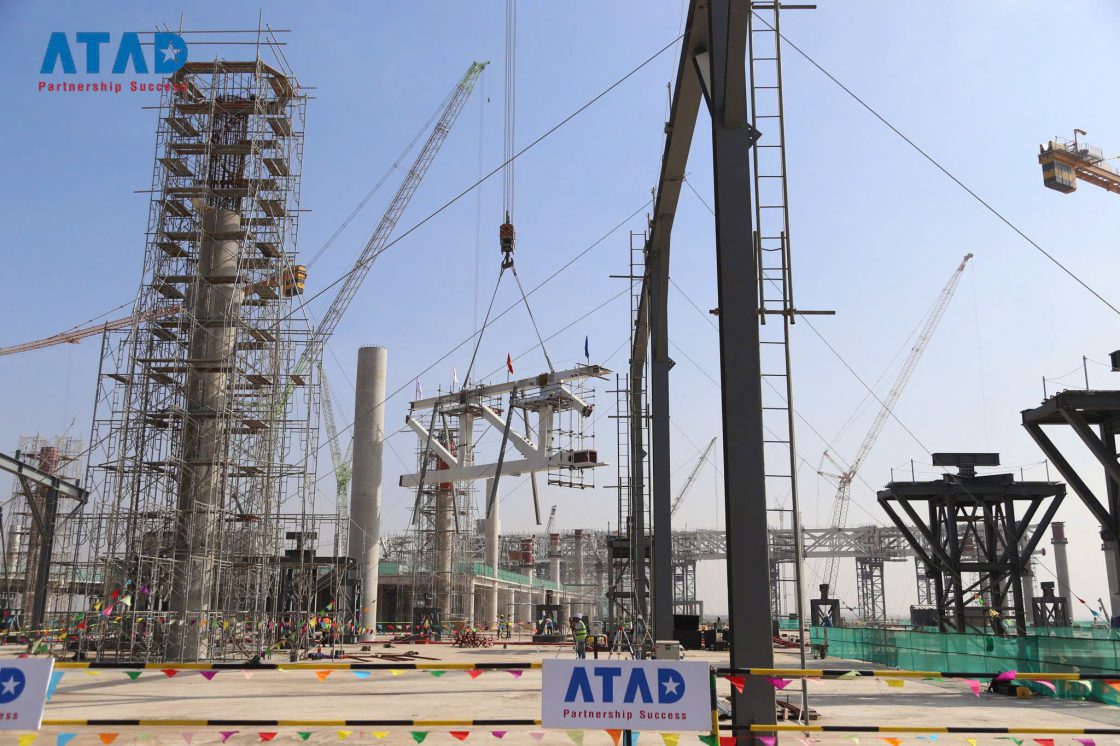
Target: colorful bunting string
(459, 735)
(419, 735)
(64, 738)
(615, 734)
(107, 738)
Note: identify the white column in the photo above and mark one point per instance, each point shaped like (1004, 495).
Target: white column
(365, 489)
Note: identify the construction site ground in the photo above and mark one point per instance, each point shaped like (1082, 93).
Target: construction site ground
(417, 694)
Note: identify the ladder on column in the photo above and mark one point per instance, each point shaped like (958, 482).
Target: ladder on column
(775, 291)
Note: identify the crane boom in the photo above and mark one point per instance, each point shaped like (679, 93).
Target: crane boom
(341, 463)
(692, 476)
(380, 237)
(1064, 162)
(74, 336)
(844, 486)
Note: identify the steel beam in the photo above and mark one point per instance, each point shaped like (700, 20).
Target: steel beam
(37, 476)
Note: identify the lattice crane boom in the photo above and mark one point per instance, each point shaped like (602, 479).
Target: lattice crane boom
(343, 470)
(380, 237)
(692, 476)
(844, 485)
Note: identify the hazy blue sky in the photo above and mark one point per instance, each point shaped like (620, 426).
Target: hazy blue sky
(877, 230)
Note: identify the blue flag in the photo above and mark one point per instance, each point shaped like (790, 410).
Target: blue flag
(586, 349)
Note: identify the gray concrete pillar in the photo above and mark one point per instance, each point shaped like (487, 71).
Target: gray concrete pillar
(445, 505)
(214, 307)
(554, 558)
(1111, 562)
(365, 487)
(1061, 563)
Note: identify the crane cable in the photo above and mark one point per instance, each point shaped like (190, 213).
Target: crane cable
(507, 236)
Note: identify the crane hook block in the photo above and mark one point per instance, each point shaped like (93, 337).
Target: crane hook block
(506, 239)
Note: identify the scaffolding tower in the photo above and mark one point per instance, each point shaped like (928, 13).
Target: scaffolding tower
(204, 432)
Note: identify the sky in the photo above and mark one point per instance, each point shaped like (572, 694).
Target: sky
(876, 229)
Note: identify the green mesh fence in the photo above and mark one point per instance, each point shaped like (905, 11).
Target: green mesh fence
(1059, 650)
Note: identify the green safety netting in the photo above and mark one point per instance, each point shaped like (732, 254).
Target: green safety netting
(1063, 649)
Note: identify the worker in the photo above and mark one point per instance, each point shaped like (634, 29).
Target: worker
(579, 635)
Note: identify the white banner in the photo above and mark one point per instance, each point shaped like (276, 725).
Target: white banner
(629, 695)
(23, 692)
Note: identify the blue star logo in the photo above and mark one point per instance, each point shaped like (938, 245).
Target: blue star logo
(12, 684)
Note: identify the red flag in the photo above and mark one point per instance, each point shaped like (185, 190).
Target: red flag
(509, 364)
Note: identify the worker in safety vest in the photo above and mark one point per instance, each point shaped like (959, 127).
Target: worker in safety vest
(579, 634)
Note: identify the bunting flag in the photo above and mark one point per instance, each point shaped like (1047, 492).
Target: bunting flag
(768, 740)
(379, 734)
(27, 739)
(737, 682)
(894, 741)
(362, 674)
(437, 673)
(246, 674)
(134, 675)
(1085, 685)
(107, 738)
(1086, 741)
(344, 734)
(303, 735)
(575, 735)
(396, 671)
(974, 685)
(728, 740)
(1048, 684)
(1044, 741)
(849, 675)
(459, 735)
(515, 673)
(586, 349)
(499, 734)
(323, 675)
(64, 738)
(671, 739)
(971, 741)
(187, 737)
(615, 735)
(1114, 684)
(225, 734)
(537, 734)
(209, 674)
(56, 677)
(853, 739)
(419, 735)
(509, 364)
(1006, 676)
(805, 741)
(169, 672)
(474, 673)
(896, 683)
(777, 684)
(709, 740)
(267, 736)
(1017, 741)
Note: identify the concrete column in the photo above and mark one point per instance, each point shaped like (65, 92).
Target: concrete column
(470, 603)
(1028, 587)
(578, 571)
(214, 303)
(1111, 562)
(554, 558)
(365, 488)
(1061, 563)
(444, 525)
(493, 534)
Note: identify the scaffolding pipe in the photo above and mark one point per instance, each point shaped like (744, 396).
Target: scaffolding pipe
(365, 487)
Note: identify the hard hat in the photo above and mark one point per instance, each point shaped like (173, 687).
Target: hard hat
(579, 616)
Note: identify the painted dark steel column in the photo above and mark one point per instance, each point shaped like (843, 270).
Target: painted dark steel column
(661, 491)
(748, 564)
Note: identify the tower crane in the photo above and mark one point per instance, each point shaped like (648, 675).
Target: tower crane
(1065, 161)
(343, 470)
(551, 521)
(844, 479)
(692, 476)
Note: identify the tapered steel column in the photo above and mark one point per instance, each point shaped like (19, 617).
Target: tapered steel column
(748, 562)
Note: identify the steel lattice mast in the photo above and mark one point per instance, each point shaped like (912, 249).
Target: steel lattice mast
(379, 240)
(844, 486)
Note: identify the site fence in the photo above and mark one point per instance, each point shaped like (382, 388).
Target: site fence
(935, 651)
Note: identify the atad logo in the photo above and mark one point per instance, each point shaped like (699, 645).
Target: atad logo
(169, 53)
(668, 687)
